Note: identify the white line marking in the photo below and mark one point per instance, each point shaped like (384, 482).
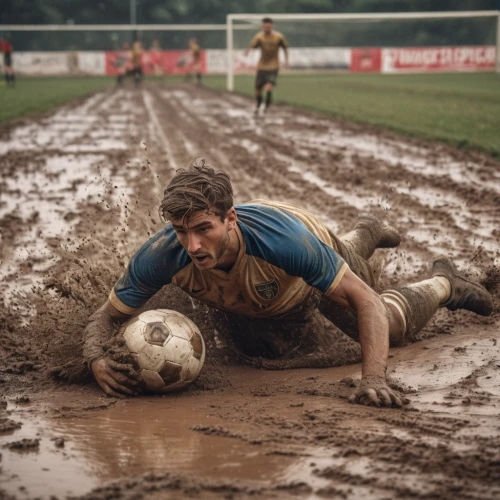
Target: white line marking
(148, 102)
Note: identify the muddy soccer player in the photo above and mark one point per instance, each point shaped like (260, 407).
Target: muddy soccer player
(269, 43)
(272, 272)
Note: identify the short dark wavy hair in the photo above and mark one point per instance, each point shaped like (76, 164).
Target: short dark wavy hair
(197, 187)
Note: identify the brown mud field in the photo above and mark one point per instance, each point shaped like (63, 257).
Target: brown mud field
(79, 192)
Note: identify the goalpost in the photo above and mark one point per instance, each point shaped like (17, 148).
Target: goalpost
(345, 30)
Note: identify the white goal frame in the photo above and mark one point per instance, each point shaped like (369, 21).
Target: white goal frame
(230, 18)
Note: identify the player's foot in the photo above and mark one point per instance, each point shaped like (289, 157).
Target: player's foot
(389, 237)
(465, 293)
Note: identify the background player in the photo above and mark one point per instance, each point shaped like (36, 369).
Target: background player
(123, 63)
(269, 42)
(275, 272)
(137, 54)
(7, 49)
(195, 49)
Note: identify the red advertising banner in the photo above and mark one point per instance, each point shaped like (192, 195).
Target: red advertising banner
(156, 62)
(366, 60)
(426, 59)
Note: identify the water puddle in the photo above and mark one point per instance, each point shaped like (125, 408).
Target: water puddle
(139, 436)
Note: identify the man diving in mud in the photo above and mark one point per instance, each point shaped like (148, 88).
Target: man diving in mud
(273, 273)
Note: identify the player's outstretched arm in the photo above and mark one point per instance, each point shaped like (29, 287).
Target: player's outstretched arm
(287, 63)
(116, 379)
(373, 326)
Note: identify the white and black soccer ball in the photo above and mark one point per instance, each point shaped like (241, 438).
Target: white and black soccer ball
(167, 347)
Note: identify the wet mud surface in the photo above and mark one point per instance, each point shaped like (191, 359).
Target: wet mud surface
(79, 192)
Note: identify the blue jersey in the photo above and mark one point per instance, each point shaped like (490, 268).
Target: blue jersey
(285, 254)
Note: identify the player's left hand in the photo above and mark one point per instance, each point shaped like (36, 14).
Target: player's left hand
(374, 391)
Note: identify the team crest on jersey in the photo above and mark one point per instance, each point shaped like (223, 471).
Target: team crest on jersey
(267, 291)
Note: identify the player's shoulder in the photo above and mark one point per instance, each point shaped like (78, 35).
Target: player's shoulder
(163, 244)
(269, 221)
(288, 221)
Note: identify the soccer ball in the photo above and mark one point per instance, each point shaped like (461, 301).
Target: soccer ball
(167, 347)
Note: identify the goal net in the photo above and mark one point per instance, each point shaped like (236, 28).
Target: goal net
(393, 42)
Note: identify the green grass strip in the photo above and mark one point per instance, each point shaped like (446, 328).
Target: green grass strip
(37, 95)
(461, 109)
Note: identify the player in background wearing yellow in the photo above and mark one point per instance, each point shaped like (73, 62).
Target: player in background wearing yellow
(269, 43)
(137, 61)
(195, 49)
(6, 48)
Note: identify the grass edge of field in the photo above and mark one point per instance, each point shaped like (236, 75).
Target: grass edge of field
(49, 105)
(462, 145)
(379, 125)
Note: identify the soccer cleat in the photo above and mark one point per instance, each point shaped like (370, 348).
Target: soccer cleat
(389, 237)
(465, 293)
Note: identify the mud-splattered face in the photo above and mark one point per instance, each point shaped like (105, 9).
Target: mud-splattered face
(205, 237)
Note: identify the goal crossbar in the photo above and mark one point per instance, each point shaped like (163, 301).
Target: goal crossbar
(378, 16)
(368, 16)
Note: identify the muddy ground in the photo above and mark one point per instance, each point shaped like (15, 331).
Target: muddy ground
(79, 192)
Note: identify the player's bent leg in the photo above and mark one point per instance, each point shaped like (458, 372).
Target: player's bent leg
(413, 306)
(370, 234)
(358, 265)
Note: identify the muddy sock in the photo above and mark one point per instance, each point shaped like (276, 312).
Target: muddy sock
(412, 307)
(365, 238)
(269, 96)
(258, 98)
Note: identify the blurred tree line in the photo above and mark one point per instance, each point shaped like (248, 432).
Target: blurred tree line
(215, 11)
(205, 11)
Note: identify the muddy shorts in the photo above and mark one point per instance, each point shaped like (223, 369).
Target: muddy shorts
(302, 331)
(264, 77)
(7, 59)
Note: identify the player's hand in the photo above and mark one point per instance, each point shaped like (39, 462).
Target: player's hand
(373, 391)
(116, 379)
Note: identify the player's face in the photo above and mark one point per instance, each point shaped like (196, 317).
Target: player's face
(267, 28)
(205, 237)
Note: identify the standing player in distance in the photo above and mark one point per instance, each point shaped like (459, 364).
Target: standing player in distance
(155, 58)
(137, 53)
(122, 63)
(7, 49)
(274, 273)
(195, 49)
(269, 42)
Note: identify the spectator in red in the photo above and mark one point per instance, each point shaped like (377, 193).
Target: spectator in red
(6, 48)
